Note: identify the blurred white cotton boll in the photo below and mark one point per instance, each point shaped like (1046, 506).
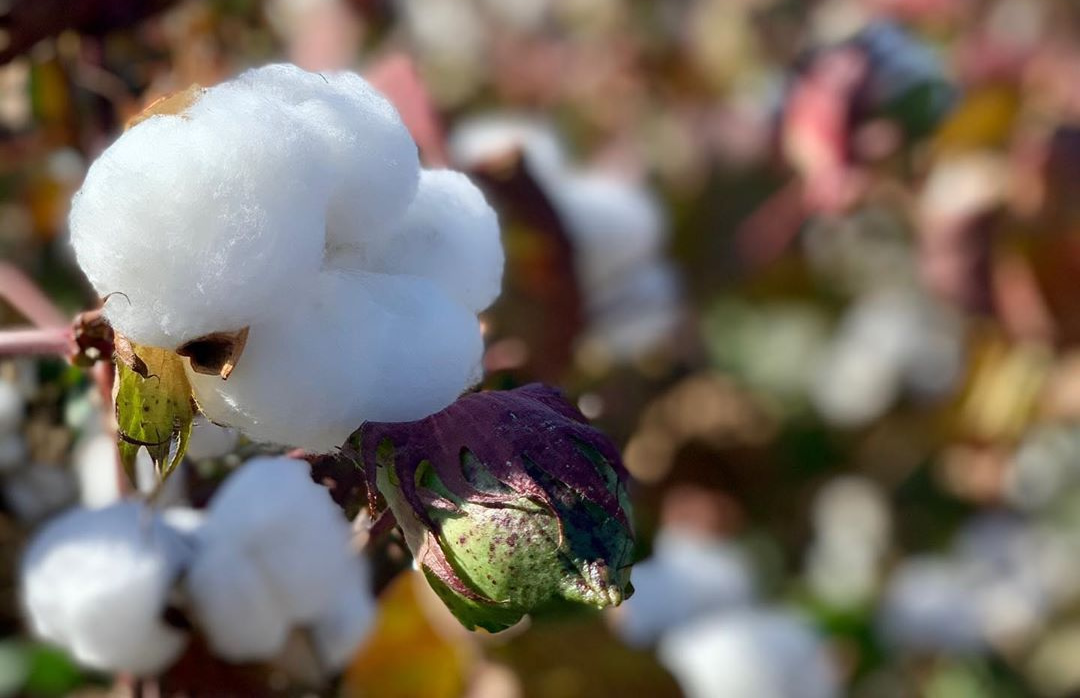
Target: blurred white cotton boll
(928, 606)
(449, 235)
(12, 452)
(95, 462)
(12, 407)
(489, 137)
(37, 491)
(688, 575)
(208, 440)
(96, 583)
(764, 653)
(235, 192)
(273, 553)
(615, 225)
(349, 619)
(364, 347)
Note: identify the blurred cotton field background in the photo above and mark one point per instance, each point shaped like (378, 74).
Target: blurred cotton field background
(813, 266)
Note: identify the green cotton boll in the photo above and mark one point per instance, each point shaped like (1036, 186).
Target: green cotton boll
(522, 538)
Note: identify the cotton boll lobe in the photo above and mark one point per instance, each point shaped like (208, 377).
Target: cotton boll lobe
(373, 157)
(208, 440)
(364, 347)
(96, 582)
(270, 514)
(235, 607)
(348, 620)
(449, 235)
(233, 194)
(761, 653)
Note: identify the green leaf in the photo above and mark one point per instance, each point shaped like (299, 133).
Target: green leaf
(154, 407)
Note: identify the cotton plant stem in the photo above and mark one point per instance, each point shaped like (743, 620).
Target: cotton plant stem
(37, 341)
(20, 291)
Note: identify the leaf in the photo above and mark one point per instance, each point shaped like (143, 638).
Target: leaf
(154, 408)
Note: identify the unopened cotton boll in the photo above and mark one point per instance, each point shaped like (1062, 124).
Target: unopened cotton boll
(764, 653)
(365, 347)
(449, 235)
(96, 583)
(273, 554)
(688, 575)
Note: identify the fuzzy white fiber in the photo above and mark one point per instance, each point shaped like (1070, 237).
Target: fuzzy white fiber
(272, 554)
(398, 349)
(293, 203)
(764, 653)
(96, 583)
(340, 632)
(689, 575)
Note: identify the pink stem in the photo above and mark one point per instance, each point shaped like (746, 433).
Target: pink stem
(25, 296)
(59, 341)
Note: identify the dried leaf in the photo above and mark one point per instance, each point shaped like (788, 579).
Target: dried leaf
(169, 105)
(154, 409)
(216, 354)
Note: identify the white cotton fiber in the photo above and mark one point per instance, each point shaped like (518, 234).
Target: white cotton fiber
(95, 465)
(364, 347)
(487, 138)
(767, 653)
(349, 620)
(689, 575)
(373, 158)
(273, 553)
(928, 606)
(449, 235)
(96, 583)
(208, 440)
(615, 226)
(235, 606)
(203, 222)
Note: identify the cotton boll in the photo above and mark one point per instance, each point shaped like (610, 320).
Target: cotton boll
(450, 235)
(614, 225)
(37, 491)
(203, 222)
(365, 347)
(96, 583)
(235, 607)
(12, 407)
(762, 653)
(208, 440)
(928, 607)
(490, 137)
(271, 515)
(95, 465)
(688, 575)
(373, 157)
(636, 313)
(349, 619)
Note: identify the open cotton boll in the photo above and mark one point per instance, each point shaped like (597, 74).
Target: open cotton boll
(34, 492)
(364, 141)
(364, 347)
(349, 619)
(96, 583)
(449, 235)
(206, 221)
(489, 137)
(208, 440)
(615, 225)
(760, 653)
(636, 312)
(688, 575)
(270, 516)
(235, 606)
